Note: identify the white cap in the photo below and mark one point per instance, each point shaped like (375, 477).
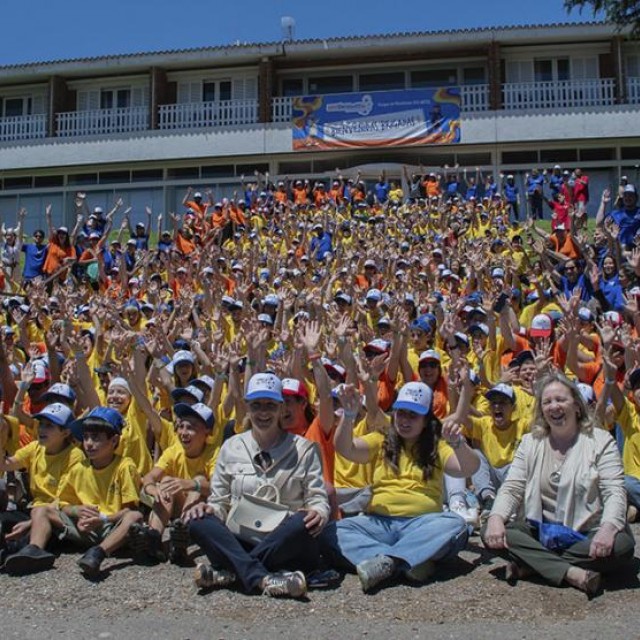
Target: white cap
(415, 397)
(264, 385)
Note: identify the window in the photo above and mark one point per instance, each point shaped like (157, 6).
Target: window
(330, 84)
(216, 90)
(553, 156)
(14, 107)
(381, 81)
(292, 87)
(520, 157)
(434, 78)
(473, 75)
(551, 70)
(599, 153)
(115, 98)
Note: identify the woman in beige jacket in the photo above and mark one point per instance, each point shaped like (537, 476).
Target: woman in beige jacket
(561, 511)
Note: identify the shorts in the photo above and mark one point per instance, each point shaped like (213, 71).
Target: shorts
(70, 532)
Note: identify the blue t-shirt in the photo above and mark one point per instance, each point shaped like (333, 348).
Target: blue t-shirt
(34, 257)
(510, 192)
(555, 184)
(382, 191)
(629, 224)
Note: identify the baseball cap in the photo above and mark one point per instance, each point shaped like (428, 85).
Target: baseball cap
(40, 371)
(334, 366)
(377, 346)
(541, 326)
(57, 413)
(430, 355)
(587, 392)
(424, 323)
(189, 390)
(264, 385)
(501, 390)
(294, 387)
(415, 397)
(479, 326)
(344, 297)
(630, 189)
(585, 314)
(497, 272)
(203, 381)
(613, 317)
(198, 410)
(374, 294)
(266, 318)
(100, 417)
(57, 391)
(183, 356)
(271, 299)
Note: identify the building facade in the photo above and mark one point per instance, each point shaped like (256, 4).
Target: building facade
(145, 126)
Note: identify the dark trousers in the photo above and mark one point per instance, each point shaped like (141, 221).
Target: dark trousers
(525, 549)
(289, 547)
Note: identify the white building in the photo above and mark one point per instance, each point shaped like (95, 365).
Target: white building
(147, 125)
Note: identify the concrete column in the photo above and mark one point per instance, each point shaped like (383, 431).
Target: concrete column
(59, 101)
(618, 69)
(266, 81)
(158, 94)
(494, 65)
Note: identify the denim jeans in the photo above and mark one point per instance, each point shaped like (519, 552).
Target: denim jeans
(632, 485)
(433, 536)
(289, 547)
(487, 479)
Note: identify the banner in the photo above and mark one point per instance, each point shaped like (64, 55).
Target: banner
(376, 119)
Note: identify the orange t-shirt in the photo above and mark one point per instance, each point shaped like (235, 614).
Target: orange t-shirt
(324, 440)
(55, 256)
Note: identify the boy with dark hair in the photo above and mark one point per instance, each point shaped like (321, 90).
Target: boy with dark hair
(99, 498)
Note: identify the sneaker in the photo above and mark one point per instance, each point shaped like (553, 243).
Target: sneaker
(146, 543)
(206, 577)
(178, 542)
(632, 513)
(90, 562)
(422, 572)
(468, 514)
(288, 584)
(30, 559)
(375, 570)
(323, 579)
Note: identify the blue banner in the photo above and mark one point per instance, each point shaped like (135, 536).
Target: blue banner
(376, 119)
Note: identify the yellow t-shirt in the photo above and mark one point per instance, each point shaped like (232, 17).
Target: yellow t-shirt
(347, 474)
(110, 489)
(46, 472)
(133, 441)
(405, 493)
(175, 463)
(498, 445)
(629, 421)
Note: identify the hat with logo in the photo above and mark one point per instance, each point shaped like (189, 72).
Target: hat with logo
(415, 397)
(541, 326)
(57, 413)
(265, 386)
(198, 410)
(501, 390)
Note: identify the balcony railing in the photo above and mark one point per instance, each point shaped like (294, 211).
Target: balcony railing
(23, 127)
(475, 97)
(102, 121)
(225, 113)
(633, 90)
(559, 95)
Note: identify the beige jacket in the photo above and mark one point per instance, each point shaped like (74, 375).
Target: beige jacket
(295, 468)
(591, 488)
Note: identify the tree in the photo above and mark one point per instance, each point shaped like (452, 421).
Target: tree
(622, 12)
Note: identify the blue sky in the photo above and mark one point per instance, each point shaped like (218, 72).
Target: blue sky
(33, 30)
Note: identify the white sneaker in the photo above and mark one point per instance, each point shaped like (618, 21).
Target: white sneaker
(375, 570)
(468, 514)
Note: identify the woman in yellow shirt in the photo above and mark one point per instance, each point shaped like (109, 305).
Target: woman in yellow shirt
(404, 529)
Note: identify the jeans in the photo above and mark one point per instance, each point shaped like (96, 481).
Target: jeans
(433, 536)
(632, 485)
(487, 479)
(289, 547)
(455, 489)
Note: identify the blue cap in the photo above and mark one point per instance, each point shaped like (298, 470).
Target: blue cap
(264, 386)
(198, 410)
(106, 417)
(57, 413)
(423, 322)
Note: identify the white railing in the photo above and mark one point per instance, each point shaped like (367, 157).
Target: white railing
(633, 90)
(559, 95)
(475, 97)
(102, 121)
(23, 127)
(225, 113)
(281, 109)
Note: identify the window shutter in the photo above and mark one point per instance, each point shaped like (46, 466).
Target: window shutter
(584, 68)
(88, 100)
(519, 71)
(189, 92)
(140, 96)
(38, 103)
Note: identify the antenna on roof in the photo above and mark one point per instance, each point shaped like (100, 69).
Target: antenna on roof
(288, 25)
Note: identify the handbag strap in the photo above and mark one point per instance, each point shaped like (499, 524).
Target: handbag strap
(279, 482)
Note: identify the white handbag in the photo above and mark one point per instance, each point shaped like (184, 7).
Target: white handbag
(253, 517)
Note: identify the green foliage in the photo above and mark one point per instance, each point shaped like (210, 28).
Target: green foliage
(622, 12)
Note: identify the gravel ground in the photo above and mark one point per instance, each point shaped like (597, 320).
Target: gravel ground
(468, 599)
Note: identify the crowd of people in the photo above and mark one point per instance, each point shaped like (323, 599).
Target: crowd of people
(310, 378)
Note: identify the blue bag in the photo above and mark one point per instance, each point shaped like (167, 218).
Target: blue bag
(555, 536)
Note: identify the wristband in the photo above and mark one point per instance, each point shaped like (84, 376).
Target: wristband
(456, 444)
(342, 340)
(105, 518)
(222, 376)
(197, 486)
(158, 363)
(314, 356)
(78, 355)
(74, 512)
(610, 382)
(350, 415)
